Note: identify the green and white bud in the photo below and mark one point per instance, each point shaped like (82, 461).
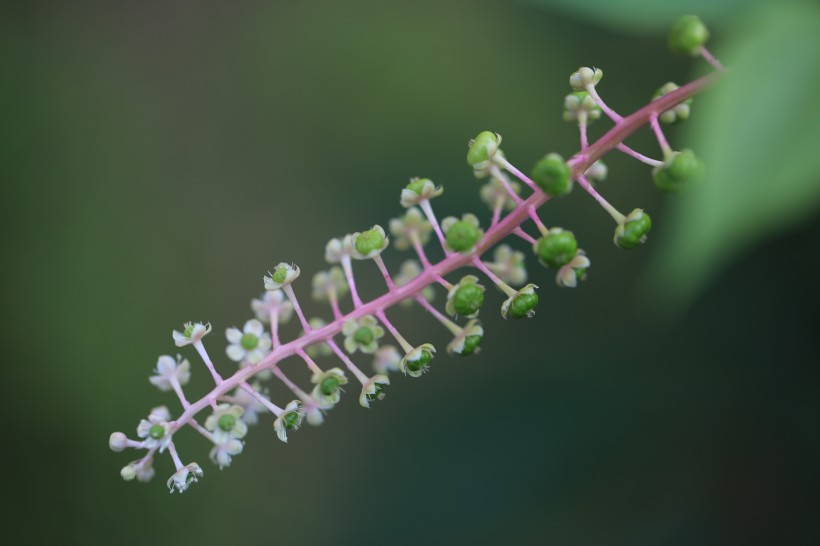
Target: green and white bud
(585, 76)
(482, 150)
(521, 304)
(328, 386)
(557, 248)
(417, 362)
(283, 274)
(369, 244)
(679, 172)
(461, 235)
(580, 106)
(553, 175)
(468, 340)
(676, 113)
(418, 190)
(465, 298)
(633, 230)
(373, 390)
(688, 35)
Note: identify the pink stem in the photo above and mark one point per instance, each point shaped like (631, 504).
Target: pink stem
(617, 216)
(178, 389)
(717, 65)
(584, 140)
(431, 217)
(517, 173)
(640, 157)
(449, 324)
(312, 366)
(274, 327)
(656, 128)
(360, 375)
(290, 384)
(173, 451)
(386, 274)
(481, 266)
(200, 348)
(288, 290)
(200, 429)
(497, 212)
(444, 282)
(348, 269)
(394, 332)
(334, 304)
(273, 408)
(524, 235)
(414, 238)
(600, 102)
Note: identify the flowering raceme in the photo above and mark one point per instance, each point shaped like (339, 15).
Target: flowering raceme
(360, 331)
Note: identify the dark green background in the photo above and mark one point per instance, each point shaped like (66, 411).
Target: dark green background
(158, 159)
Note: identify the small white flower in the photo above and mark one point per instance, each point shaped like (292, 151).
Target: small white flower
(362, 334)
(192, 333)
(509, 265)
(251, 407)
(386, 359)
(417, 362)
(271, 301)
(418, 190)
(226, 422)
(336, 249)
(468, 340)
(412, 224)
(576, 269)
(494, 192)
(168, 368)
(184, 477)
(408, 271)
(156, 430)
(373, 390)
(290, 419)
(369, 244)
(251, 344)
(329, 282)
(283, 274)
(328, 386)
(224, 449)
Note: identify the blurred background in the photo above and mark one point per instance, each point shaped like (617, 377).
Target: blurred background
(158, 159)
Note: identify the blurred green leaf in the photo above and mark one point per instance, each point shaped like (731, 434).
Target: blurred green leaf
(758, 131)
(650, 14)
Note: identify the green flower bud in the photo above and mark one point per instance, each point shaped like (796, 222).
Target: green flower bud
(189, 330)
(552, 174)
(329, 385)
(468, 299)
(687, 36)
(557, 248)
(422, 362)
(578, 104)
(679, 172)
(523, 305)
(585, 76)
(634, 229)
(462, 236)
(291, 419)
(416, 185)
(370, 240)
(482, 149)
(227, 422)
(471, 343)
(279, 274)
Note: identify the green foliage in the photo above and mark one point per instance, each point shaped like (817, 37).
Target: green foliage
(760, 150)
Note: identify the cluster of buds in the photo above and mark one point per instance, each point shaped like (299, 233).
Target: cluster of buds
(359, 333)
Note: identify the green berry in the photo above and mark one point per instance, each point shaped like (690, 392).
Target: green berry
(679, 172)
(482, 148)
(522, 306)
(468, 299)
(634, 230)
(249, 342)
(687, 36)
(156, 432)
(471, 343)
(552, 175)
(557, 248)
(227, 422)
(291, 419)
(363, 336)
(369, 241)
(422, 362)
(189, 330)
(329, 385)
(462, 236)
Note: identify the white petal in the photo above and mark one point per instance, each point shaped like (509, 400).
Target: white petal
(235, 352)
(234, 335)
(254, 327)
